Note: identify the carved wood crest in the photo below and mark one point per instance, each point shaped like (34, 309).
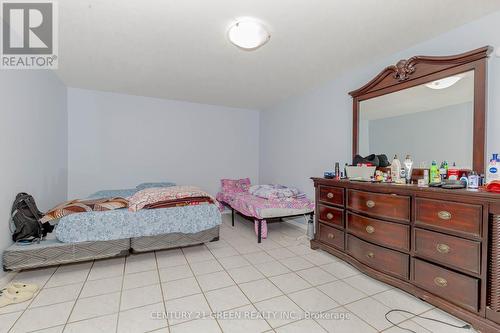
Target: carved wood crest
(414, 67)
(403, 69)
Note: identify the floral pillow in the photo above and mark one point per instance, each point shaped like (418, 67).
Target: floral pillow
(235, 185)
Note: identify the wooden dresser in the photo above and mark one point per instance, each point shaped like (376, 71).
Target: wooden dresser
(440, 245)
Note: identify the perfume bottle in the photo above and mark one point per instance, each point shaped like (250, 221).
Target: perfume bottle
(337, 170)
(408, 168)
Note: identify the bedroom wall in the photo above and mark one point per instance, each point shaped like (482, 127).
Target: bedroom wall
(118, 141)
(33, 129)
(304, 135)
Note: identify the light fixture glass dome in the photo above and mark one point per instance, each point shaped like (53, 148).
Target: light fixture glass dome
(248, 34)
(443, 83)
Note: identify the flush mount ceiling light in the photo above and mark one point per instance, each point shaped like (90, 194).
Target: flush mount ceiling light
(443, 83)
(248, 34)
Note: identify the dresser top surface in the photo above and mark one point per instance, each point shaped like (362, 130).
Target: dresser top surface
(408, 188)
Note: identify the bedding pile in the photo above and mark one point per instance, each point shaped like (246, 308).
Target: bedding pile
(151, 211)
(173, 196)
(275, 191)
(85, 205)
(263, 201)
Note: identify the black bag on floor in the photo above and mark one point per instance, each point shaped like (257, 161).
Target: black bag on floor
(26, 219)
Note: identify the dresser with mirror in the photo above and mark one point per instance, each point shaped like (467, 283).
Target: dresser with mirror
(440, 245)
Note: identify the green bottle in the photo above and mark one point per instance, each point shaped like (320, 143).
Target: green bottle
(434, 173)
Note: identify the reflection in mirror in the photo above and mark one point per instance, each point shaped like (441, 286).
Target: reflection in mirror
(433, 121)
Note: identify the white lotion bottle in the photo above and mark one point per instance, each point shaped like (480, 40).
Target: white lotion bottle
(395, 169)
(492, 173)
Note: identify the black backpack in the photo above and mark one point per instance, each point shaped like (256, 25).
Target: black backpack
(26, 219)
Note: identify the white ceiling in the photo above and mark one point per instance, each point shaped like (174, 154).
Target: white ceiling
(177, 49)
(418, 99)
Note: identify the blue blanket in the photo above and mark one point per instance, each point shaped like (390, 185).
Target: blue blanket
(122, 224)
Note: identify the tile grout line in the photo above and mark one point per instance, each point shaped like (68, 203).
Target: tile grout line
(78, 296)
(286, 294)
(239, 288)
(121, 293)
(226, 270)
(312, 286)
(265, 278)
(201, 289)
(161, 290)
(32, 299)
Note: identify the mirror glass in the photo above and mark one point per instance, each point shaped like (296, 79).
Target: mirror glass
(432, 121)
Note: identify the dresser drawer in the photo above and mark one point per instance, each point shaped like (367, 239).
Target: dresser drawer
(331, 236)
(379, 258)
(454, 287)
(389, 234)
(449, 216)
(331, 195)
(448, 250)
(396, 207)
(331, 215)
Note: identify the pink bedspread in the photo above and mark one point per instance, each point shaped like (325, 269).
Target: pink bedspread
(251, 205)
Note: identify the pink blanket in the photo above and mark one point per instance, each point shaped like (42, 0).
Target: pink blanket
(251, 205)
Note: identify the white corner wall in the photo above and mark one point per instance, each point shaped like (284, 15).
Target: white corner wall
(118, 141)
(306, 134)
(34, 141)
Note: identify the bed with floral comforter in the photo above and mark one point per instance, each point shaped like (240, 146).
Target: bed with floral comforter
(134, 222)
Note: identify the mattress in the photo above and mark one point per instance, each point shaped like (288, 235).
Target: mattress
(168, 241)
(53, 252)
(123, 224)
(261, 208)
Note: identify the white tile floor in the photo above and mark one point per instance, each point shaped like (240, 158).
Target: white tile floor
(232, 276)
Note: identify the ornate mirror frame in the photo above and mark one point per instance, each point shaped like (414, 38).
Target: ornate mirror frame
(423, 69)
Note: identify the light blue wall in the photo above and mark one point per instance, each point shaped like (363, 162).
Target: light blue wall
(119, 141)
(33, 142)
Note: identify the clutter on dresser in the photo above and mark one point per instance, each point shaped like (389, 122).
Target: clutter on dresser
(441, 175)
(493, 186)
(361, 173)
(329, 175)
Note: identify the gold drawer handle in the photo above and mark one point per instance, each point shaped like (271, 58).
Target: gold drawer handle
(329, 216)
(444, 215)
(369, 229)
(370, 255)
(329, 195)
(440, 282)
(370, 204)
(442, 248)
(331, 236)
